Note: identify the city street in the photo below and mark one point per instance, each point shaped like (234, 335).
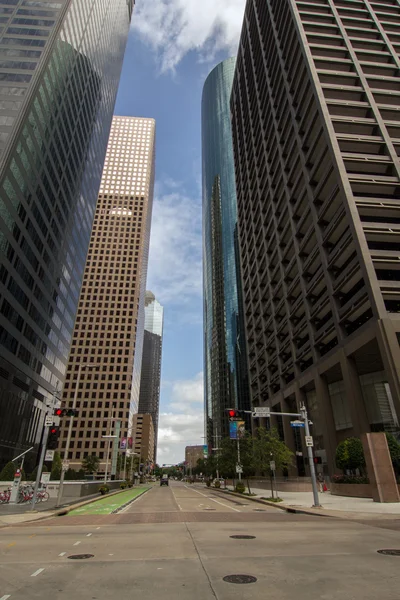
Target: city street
(174, 542)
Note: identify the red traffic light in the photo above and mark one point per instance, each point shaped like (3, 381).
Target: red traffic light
(58, 412)
(232, 413)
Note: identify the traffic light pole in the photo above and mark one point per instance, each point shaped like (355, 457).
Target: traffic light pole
(40, 467)
(304, 416)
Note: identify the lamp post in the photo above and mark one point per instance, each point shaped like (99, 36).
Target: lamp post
(65, 463)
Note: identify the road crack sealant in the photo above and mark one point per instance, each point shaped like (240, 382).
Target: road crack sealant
(213, 591)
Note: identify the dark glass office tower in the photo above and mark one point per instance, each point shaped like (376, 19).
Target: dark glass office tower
(59, 73)
(225, 368)
(316, 130)
(150, 380)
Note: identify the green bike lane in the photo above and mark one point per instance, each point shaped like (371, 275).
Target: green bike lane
(107, 505)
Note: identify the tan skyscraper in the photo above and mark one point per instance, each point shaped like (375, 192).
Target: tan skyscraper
(103, 374)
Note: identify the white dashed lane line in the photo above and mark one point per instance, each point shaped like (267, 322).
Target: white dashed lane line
(62, 554)
(5, 597)
(77, 543)
(221, 503)
(36, 573)
(88, 534)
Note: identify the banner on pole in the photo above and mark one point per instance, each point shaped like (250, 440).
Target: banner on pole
(241, 429)
(205, 451)
(233, 427)
(123, 443)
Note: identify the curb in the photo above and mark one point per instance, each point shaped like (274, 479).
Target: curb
(289, 509)
(117, 510)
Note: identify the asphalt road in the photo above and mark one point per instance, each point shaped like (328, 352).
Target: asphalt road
(169, 545)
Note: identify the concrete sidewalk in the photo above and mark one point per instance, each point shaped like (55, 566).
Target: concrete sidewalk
(339, 504)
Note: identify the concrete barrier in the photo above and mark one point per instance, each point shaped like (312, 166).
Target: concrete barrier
(72, 489)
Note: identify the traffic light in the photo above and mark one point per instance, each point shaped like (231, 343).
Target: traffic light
(52, 440)
(235, 415)
(65, 412)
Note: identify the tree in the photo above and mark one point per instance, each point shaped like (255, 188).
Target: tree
(56, 467)
(33, 475)
(267, 447)
(90, 463)
(8, 472)
(350, 455)
(394, 449)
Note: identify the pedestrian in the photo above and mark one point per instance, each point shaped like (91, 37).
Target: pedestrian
(321, 482)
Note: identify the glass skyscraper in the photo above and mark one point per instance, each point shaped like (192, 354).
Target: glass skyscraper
(226, 380)
(149, 398)
(59, 73)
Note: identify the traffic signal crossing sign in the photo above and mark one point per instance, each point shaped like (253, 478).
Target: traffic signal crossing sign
(235, 415)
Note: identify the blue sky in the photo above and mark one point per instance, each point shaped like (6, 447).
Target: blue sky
(173, 45)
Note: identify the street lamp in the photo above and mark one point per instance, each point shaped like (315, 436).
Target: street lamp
(109, 438)
(65, 463)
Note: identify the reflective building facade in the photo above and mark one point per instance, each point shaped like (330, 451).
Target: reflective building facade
(59, 73)
(225, 368)
(149, 398)
(316, 135)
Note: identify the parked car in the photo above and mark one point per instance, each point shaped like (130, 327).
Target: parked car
(164, 480)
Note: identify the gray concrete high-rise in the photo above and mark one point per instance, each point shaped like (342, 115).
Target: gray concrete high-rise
(316, 135)
(150, 381)
(225, 363)
(59, 73)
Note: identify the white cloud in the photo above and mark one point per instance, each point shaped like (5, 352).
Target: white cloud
(177, 431)
(182, 424)
(175, 262)
(175, 27)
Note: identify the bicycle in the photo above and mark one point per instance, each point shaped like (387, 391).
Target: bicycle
(5, 496)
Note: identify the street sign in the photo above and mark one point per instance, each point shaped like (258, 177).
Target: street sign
(261, 411)
(48, 422)
(65, 465)
(49, 455)
(45, 478)
(297, 424)
(239, 469)
(272, 465)
(309, 440)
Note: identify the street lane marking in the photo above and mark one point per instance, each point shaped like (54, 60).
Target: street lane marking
(62, 554)
(5, 597)
(10, 545)
(180, 507)
(88, 535)
(76, 543)
(36, 573)
(97, 527)
(31, 536)
(212, 500)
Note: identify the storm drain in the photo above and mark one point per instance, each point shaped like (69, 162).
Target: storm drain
(240, 579)
(243, 537)
(259, 509)
(389, 552)
(210, 509)
(80, 556)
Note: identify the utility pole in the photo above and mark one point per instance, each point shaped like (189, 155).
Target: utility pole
(40, 467)
(65, 463)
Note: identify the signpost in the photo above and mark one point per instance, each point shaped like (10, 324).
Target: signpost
(239, 469)
(49, 455)
(261, 411)
(309, 441)
(48, 422)
(272, 465)
(297, 424)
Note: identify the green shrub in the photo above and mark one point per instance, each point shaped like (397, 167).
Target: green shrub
(208, 483)
(123, 485)
(217, 484)
(240, 487)
(8, 472)
(350, 455)
(104, 489)
(349, 479)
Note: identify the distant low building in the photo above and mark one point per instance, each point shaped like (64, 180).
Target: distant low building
(192, 455)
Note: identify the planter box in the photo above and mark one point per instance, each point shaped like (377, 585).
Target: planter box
(355, 490)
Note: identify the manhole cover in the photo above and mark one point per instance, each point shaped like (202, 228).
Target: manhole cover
(259, 509)
(243, 537)
(80, 556)
(240, 579)
(389, 552)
